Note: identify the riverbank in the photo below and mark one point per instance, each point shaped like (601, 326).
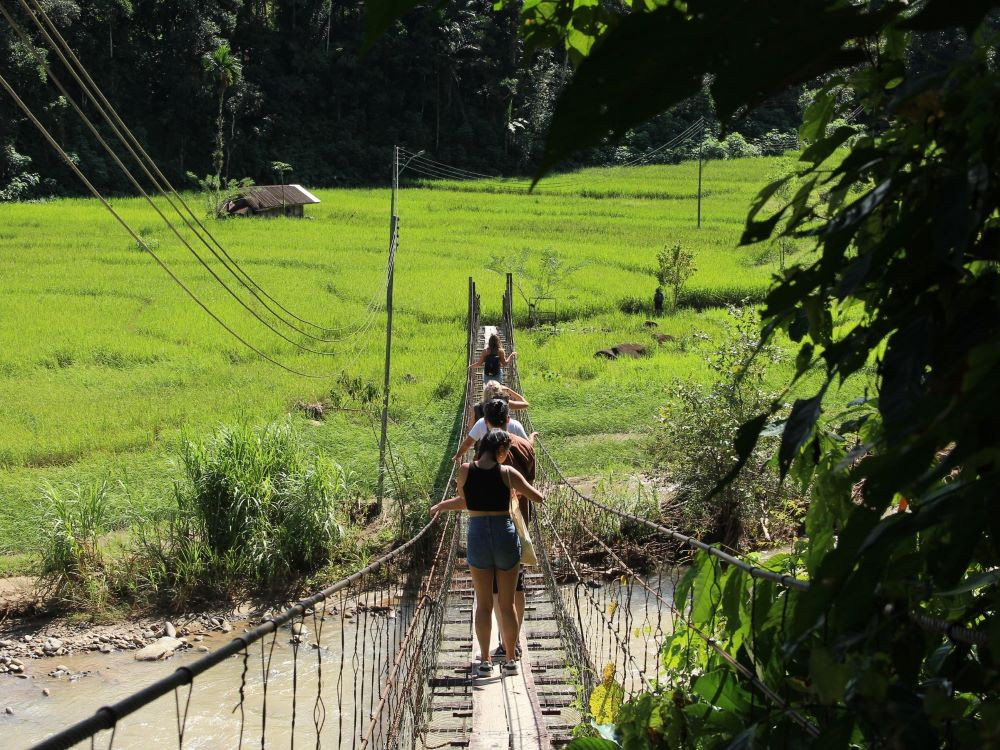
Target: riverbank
(30, 645)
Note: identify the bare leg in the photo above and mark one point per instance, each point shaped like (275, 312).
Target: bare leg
(506, 581)
(518, 608)
(482, 582)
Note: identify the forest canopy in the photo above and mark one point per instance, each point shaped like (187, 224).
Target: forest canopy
(455, 80)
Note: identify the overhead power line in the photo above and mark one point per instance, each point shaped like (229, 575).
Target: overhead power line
(135, 149)
(676, 140)
(442, 171)
(438, 170)
(141, 242)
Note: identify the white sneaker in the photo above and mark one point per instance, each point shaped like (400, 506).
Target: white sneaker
(509, 667)
(485, 668)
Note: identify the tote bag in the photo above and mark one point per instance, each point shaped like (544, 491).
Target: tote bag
(528, 556)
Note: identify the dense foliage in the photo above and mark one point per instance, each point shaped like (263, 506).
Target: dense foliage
(245, 83)
(259, 502)
(255, 507)
(694, 447)
(905, 277)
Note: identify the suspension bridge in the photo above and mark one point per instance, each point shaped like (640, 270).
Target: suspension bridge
(385, 657)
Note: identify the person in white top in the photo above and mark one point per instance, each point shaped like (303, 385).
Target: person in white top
(491, 390)
(479, 431)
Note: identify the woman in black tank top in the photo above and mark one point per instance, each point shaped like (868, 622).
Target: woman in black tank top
(493, 359)
(493, 547)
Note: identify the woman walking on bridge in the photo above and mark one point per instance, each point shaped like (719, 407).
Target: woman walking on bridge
(493, 359)
(493, 548)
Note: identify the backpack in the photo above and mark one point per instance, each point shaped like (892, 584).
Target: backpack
(492, 364)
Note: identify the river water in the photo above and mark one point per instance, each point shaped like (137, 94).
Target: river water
(624, 624)
(346, 685)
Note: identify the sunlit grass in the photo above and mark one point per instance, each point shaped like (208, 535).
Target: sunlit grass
(103, 359)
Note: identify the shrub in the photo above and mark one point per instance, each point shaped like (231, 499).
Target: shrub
(262, 507)
(147, 239)
(737, 147)
(694, 447)
(673, 268)
(776, 143)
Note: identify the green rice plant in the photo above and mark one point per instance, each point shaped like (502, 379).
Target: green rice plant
(259, 502)
(632, 305)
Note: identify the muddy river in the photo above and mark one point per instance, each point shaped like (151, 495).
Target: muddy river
(335, 684)
(334, 689)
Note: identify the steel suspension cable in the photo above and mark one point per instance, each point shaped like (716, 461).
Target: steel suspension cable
(754, 570)
(972, 636)
(712, 642)
(803, 722)
(135, 183)
(108, 717)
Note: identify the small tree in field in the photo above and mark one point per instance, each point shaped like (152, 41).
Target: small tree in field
(545, 272)
(674, 268)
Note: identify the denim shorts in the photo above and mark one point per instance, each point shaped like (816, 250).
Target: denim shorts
(493, 543)
(497, 377)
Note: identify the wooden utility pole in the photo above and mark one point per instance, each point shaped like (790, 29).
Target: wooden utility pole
(393, 238)
(701, 150)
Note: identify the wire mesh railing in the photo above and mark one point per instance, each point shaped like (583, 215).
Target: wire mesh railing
(657, 609)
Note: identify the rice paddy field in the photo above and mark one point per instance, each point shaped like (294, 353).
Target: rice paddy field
(105, 362)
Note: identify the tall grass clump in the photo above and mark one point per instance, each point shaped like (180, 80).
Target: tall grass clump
(260, 504)
(73, 562)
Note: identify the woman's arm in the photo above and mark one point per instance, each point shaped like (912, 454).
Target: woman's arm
(452, 503)
(515, 400)
(521, 485)
(482, 358)
(466, 444)
(478, 432)
(507, 360)
(513, 395)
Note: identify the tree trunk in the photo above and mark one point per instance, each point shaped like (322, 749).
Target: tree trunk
(220, 123)
(232, 137)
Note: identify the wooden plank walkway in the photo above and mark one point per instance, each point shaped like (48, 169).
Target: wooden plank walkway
(535, 709)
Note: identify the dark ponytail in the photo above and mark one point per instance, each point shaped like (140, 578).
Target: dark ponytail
(494, 441)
